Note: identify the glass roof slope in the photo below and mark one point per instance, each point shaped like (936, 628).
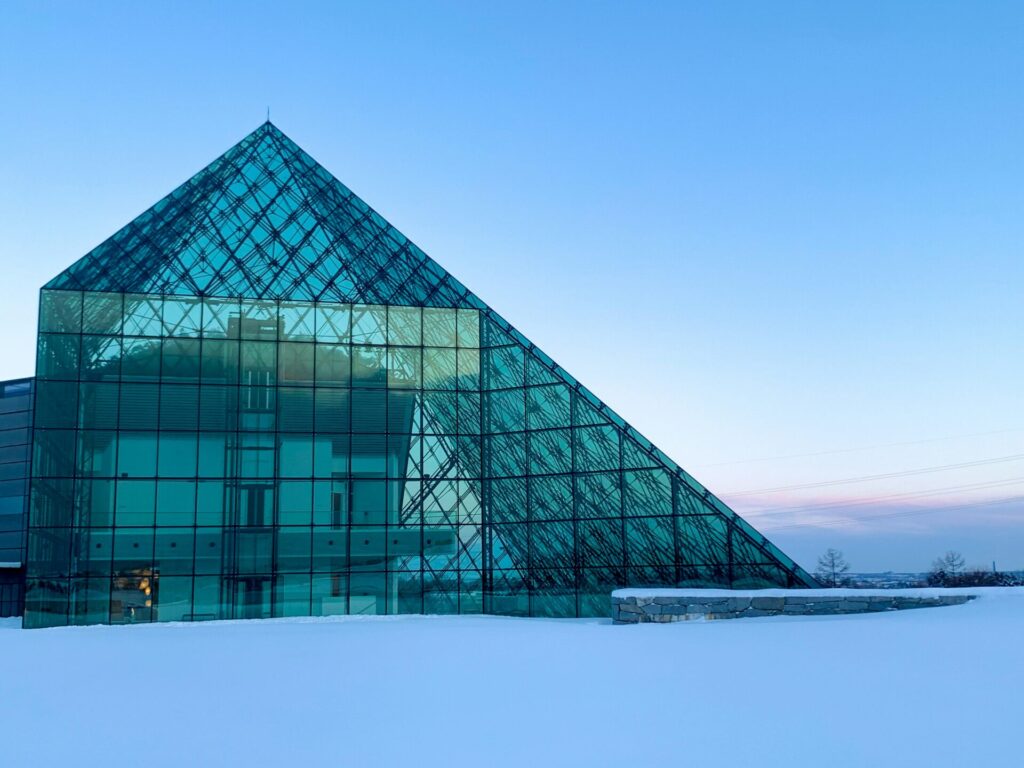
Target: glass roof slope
(266, 221)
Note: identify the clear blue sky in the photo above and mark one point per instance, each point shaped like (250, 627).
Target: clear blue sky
(757, 230)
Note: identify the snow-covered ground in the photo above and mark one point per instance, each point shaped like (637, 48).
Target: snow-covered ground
(927, 687)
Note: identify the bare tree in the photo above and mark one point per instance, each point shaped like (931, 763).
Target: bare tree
(951, 564)
(832, 568)
(947, 570)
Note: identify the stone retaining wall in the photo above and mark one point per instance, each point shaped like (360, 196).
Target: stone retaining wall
(631, 609)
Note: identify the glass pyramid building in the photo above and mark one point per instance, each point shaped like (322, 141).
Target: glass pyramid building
(260, 399)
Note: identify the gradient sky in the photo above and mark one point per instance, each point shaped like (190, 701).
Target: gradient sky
(782, 240)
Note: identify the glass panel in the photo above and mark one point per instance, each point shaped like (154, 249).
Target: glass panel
(179, 406)
(505, 411)
(333, 322)
(295, 409)
(54, 454)
(596, 448)
(405, 326)
(57, 356)
(56, 404)
(329, 595)
(551, 498)
(438, 327)
(508, 500)
(298, 321)
(369, 366)
(468, 365)
(332, 410)
(90, 601)
(49, 552)
(598, 495)
(648, 493)
(369, 409)
(295, 501)
(101, 313)
(172, 600)
(133, 551)
(404, 368)
(440, 368)
(218, 408)
(296, 456)
(142, 315)
(213, 453)
(292, 595)
(209, 503)
(136, 503)
(333, 365)
(259, 320)
(140, 359)
(369, 505)
(50, 504)
(175, 502)
(294, 548)
(139, 406)
(548, 406)
(550, 452)
(181, 360)
(136, 454)
(470, 413)
(296, 363)
(174, 548)
(219, 361)
(258, 363)
(97, 405)
(182, 317)
(94, 504)
(329, 549)
(601, 543)
(650, 540)
(101, 358)
(503, 367)
(209, 550)
(468, 328)
(221, 318)
(60, 311)
(369, 325)
(206, 596)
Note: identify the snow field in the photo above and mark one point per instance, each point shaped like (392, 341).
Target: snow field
(926, 687)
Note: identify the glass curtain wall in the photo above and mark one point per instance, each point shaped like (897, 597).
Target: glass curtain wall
(205, 458)
(15, 448)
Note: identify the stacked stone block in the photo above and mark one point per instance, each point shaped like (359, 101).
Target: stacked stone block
(668, 608)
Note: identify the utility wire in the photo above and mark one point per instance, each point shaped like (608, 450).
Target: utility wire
(884, 476)
(902, 513)
(775, 511)
(854, 450)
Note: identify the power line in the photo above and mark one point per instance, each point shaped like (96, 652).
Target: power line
(883, 476)
(861, 448)
(773, 512)
(902, 513)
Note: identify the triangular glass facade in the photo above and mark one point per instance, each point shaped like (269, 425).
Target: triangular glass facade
(260, 399)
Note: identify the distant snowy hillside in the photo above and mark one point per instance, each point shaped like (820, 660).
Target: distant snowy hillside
(929, 687)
